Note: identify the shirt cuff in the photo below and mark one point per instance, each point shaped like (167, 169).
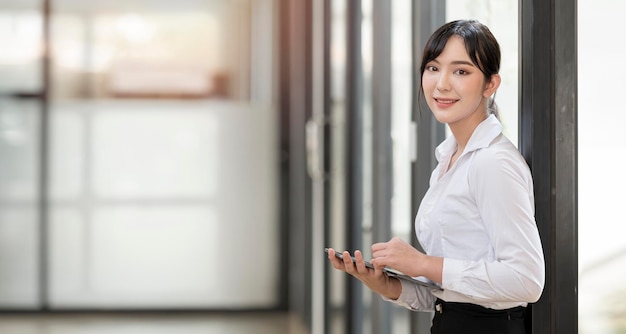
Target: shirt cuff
(452, 273)
(414, 297)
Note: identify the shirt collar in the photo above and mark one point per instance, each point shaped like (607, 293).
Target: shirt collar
(482, 136)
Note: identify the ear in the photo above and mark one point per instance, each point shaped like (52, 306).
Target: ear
(492, 85)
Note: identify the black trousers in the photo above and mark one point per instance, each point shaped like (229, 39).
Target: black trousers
(456, 318)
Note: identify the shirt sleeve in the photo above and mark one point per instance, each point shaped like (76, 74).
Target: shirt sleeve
(501, 184)
(414, 297)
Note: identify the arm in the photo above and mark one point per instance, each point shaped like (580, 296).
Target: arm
(502, 187)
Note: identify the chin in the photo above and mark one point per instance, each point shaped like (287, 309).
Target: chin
(442, 117)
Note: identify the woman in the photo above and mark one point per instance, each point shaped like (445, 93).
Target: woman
(476, 221)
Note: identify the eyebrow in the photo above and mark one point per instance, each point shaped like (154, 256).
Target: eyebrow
(457, 62)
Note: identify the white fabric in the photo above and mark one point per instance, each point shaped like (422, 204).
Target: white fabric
(479, 216)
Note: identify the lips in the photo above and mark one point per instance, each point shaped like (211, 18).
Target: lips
(444, 103)
(449, 101)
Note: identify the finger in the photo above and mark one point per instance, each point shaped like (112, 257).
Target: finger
(378, 262)
(379, 246)
(378, 271)
(378, 253)
(348, 263)
(360, 263)
(331, 255)
(380, 249)
(337, 263)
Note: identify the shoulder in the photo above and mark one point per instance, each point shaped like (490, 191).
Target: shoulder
(500, 159)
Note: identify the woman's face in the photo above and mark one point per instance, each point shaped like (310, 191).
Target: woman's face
(454, 88)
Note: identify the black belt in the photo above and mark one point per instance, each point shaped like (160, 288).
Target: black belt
(474, 310)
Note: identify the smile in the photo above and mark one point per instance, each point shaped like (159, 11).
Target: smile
(444, 103)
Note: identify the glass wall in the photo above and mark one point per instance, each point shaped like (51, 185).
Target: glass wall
(21, 32)
(157, 110)
(601, 180)
(151, 132)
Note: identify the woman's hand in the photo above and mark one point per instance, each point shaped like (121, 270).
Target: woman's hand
(375, 279)
(400, 255)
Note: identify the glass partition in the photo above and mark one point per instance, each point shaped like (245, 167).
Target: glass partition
(601, 179)
(156, 111)
(21, 34)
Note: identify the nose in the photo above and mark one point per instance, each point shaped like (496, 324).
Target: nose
(443, 82)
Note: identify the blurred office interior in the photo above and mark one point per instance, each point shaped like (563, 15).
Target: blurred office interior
(179, 166)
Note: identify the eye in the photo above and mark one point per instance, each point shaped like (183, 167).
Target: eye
(431, 68)
(461, 72)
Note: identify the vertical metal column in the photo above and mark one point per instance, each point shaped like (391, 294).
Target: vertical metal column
(327, 155)
(548, 117)
(428, 15)
(354, 150)
(284, 149)
(382, 146)
(44, 155)
(298, 78)
(317, 158)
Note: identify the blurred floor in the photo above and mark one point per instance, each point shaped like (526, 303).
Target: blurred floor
(153, 323)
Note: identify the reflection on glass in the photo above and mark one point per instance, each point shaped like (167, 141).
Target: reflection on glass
(601, 151)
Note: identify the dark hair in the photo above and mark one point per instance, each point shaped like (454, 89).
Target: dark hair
(482, 48)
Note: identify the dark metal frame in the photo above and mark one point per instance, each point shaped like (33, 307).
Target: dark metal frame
(548, 128)
(382, 170)
(284, 119)
(354, 188)
(44, 155)
(326, 155)
(298, 97)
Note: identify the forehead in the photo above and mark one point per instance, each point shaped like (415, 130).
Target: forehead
(454, 50)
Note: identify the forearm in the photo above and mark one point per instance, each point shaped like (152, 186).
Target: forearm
(431, 267)
(494, 281)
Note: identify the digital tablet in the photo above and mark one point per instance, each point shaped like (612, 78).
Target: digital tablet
(420, 280)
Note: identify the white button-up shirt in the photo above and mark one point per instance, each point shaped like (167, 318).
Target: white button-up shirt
(479, 216)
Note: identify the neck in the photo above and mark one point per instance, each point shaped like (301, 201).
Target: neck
(463, 130)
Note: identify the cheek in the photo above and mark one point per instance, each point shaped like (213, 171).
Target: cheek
(471, 89)
(428, 83)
